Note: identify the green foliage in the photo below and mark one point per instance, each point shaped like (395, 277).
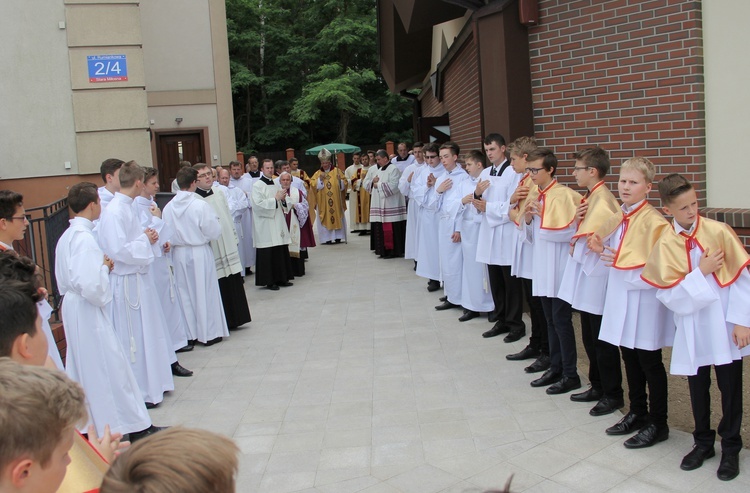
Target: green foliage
(317, 79)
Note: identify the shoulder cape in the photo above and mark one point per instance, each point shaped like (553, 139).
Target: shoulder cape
(559, 205)
(642, 229)
(602, 204)
(669, 263)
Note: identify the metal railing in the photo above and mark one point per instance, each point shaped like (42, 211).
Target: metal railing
(46, 225)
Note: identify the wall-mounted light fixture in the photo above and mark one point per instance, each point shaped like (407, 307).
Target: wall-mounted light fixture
(178, 120)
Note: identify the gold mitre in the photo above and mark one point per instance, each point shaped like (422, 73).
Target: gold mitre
(324, 155)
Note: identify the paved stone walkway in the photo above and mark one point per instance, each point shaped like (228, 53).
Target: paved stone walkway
(350, 381)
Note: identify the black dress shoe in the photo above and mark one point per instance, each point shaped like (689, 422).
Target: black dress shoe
(286, 284)
(180, 371)
(694, 459)
(185, 349)
(514, 335)
(492, 317)
(447, 305)
(647, 436)
(443, 298)
(606, 406)
(589, 395)
(213, 341)
(548, 378)
(138, 435)
(566, 384)
(272, 287)
(526, 353)
(433, 285)
(729, 467)
(540, 364)
(468, 315)
(628, 424)
(338, 241)
(496, 330)
(151, 405)
(248, 271)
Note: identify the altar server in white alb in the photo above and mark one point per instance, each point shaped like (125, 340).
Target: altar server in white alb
(95, 358)
(699, 267)
(352, 175)
(238, 207)
(406, 184)
(243, 181)
(110, 171)
(475, 290)
(496, 236)
(161, 269)
(195, 225)
(136, 312)
(403, 158)
(445, 197)
(428, 257)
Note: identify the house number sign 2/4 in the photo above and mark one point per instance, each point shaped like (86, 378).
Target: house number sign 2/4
(107, 68)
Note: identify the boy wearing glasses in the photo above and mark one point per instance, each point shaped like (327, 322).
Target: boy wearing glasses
(633, 318)
(13, 220)
(549, 224)
(586, 293)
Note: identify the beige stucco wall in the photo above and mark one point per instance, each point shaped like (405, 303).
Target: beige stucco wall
(37, 134)
(727, 72)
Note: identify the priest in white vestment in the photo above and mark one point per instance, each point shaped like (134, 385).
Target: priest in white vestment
(406, 184)
(428, 257)
(226, 253)
(270, 233)
(95, 358)
(387, 208)
(195, 225)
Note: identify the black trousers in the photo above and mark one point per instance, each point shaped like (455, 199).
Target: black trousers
(562, 340)
(644, 368)
(605, 372)
(513, 302)
(497, 288)
(729, 380)
(538, 339)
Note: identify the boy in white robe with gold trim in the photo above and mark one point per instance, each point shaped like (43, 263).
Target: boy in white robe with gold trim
(700, 271)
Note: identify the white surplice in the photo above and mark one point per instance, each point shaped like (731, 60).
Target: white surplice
(350, 173)
(268, 216)
(245, 183)
(497, 232)
(448, 205)
(162, 273)
(475, 292)
(428, 255)
(584, 293)
(45, 311)
(195, 225)
(401, 165)
(705, 315)
(632, 316)
(406, 186)
(136, 312)
(95, 358)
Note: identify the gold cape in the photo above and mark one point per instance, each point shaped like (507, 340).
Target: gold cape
(86, 469)
(602, 204)
(669, 262)
(559, 206)
(643, 227)
(363, 198)
(515, 213)
(329, 199)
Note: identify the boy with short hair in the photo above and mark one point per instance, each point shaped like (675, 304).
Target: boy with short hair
(176, 460)
(699, 268)
(633, 318)
(549, 224)
(39, 411)
(13, 222)
(110, 171)
(95, 357)
(521, 264)
(586, 293)
(136, 313)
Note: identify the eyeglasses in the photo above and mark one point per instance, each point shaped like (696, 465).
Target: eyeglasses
(203, 175)
(533, 171)
(19, 218)
(580, 168)
(430, 157)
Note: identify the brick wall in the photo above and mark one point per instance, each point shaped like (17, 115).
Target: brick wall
(461, 97)
(623, 74)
